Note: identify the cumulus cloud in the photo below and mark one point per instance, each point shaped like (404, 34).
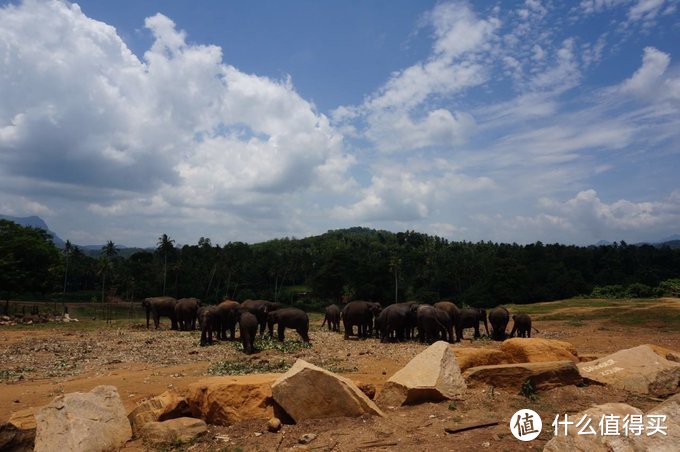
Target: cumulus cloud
(178, 128)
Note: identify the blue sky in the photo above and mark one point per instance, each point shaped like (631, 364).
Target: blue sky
(503, 121)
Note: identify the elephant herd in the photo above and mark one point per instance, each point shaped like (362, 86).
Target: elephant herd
(443, 320)
(222, 318)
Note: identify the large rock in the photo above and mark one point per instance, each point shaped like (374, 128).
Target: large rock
(467, 357)
(671, 441)
(92, 421)
(228, 400)
(18, 433)
(173, 431)
(639, 369)
(542, 376)
(573, 441)
(169, 405)
(536, 350)
(432, 375)
(310, 392)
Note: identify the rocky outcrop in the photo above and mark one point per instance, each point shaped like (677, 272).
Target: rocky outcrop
(467, 357)
(169, 405)
(671, 441)
(310, 392)
(536, 350)
(432, 375)
(92, 421)
(639, 369)
(228, 400)
(173, 431)
(541, 376)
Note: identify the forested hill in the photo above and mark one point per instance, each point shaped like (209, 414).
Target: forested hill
(355, 263)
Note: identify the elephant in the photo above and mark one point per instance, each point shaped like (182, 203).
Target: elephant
(470, 318)
(521, 325)
(159, 307)
(431, 323)
(332, 317)
(361, 314)
(499, 318)
(260, 308)
(186, 310)
(247, 325)
(395, 321)
(227, 313)
(454, 314)
(288, 318)
(208, 319)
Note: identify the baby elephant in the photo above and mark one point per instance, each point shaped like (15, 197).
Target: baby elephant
(332, 317)
(208, 319)
(289, 318)
(247, 324)
(522, 325)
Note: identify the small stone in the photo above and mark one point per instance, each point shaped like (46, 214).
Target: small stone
(274, 425)
(258, 434)
(307, 438)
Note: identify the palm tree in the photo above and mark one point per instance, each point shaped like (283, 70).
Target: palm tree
(108, 252)
(68, 249)
(165, 245)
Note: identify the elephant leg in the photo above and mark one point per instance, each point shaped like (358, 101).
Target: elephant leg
(147, 318)
(303, 334)
(156, 320)
(529, 332)
(281, 331)
(477, 335)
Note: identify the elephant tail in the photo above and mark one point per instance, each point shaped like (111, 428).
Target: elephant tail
(536, 329)
(324, 321)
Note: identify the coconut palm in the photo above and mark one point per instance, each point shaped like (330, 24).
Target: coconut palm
(165, 246)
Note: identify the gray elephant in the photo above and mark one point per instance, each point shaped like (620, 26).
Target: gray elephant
(522, 325)
(499, 318)
(294, 318)
(247, 325)
(260, 308)
(332, 317)
(470, 318)
(395, 321)
(433, 323)
(208, 320)
(227, 313)
(454, 314)
(360, 314)
(158, 307)
(186, 310)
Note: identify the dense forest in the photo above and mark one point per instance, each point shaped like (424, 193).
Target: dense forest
(356, 263)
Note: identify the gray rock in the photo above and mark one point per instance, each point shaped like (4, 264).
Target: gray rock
(432, 375)
(87, 422)
(173, 431)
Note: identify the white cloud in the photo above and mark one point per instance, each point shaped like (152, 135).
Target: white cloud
(645, 10)
(645, 79)
(178, 129)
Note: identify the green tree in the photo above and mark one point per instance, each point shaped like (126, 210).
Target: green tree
(164, 247)
(29, 261)
(108, 254)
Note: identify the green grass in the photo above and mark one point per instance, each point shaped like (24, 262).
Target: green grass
(265, 343)
(247, 367)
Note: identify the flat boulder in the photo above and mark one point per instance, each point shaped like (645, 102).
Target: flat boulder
(639, 369)
(536, 350)
(432, 375)
(670, 441)
(91, 421)
(542, 376)
(228, 400)
(174, 431)
(310, 392)
(169, 405)
(467, 357)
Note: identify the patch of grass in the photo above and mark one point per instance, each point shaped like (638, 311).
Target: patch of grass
(453, 406)
(247, 367)
(10, 375)
(663, 318)
(527, 390)
(266, 343)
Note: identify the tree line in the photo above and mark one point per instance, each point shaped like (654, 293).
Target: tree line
(355, 263)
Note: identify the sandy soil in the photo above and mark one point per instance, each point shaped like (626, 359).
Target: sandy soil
(38, 363)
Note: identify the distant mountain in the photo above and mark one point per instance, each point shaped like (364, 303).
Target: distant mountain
(35, 222)
(672, 241)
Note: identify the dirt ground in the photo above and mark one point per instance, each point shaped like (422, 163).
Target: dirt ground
(39, 362)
